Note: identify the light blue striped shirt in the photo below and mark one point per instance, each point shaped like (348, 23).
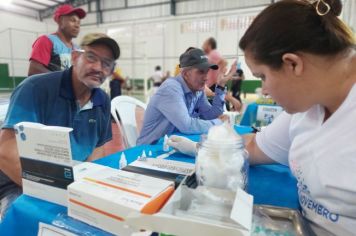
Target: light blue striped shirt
(175, 108)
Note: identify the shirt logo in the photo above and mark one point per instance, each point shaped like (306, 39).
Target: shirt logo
(92, 121)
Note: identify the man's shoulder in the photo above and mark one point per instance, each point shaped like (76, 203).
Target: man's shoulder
(172, 82)
(45, 78)
(49, 80)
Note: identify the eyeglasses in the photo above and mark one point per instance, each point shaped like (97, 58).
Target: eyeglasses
(107, 64)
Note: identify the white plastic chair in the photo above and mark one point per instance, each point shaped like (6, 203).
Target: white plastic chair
(123, 109)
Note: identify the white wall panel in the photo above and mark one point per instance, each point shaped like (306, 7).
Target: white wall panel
(170, 38)
(23, 50)
(136, 13)
(5, 52)
(109, 4)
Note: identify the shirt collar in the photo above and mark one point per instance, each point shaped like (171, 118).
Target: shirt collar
(66, 90)
(186, 89)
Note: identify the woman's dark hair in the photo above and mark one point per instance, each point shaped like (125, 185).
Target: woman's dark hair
(158, 68)
(289, 26)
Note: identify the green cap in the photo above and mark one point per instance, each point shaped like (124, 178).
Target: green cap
(100, 38)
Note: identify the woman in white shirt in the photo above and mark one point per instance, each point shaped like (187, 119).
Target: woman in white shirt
(306, 57)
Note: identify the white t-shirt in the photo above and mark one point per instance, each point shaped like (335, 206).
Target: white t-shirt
(322, 156)
(157, 76)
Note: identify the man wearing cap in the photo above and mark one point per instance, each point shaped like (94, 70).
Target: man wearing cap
(52, 52)
(69, 98)
(180, 105)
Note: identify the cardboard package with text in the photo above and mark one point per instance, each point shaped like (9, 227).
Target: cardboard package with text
(46, 160)
(105, 198)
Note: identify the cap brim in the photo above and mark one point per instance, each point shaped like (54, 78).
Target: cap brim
(111, 44)
(80, 12)
(206, 65)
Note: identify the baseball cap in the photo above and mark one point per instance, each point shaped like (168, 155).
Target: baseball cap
(196, 58)
(100, 38)
(67, 9)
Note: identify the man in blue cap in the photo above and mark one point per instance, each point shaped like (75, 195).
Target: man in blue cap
(180, 104)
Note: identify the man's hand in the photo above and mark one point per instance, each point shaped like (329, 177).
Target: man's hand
(208, 92)
(183, 145)
(224, 118)
(9, 156)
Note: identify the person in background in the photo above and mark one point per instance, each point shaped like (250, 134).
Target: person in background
(157, 77)
(310, 70)
(236, 84)
(52, 52)
(180, 103)
(116, 82)
(69, 98)
(209, 47)
(214, 57)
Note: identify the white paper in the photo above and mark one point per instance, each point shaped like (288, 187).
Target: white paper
(266, 114)
(176, 167)
(50, 230)
(242, 209)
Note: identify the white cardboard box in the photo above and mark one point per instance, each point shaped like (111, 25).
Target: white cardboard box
(166, 222)
(106, 197)
(46, 160)
(104, 207)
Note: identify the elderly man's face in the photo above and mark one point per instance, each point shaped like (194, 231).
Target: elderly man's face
(93, 65)
(195, 78)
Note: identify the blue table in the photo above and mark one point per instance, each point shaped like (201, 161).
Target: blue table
(269, 184)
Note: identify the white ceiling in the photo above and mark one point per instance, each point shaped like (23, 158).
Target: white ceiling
(30, 8)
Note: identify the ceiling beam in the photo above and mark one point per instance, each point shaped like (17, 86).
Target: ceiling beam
(49, 11)
(59, 2)
(39, 3)
(25, 6)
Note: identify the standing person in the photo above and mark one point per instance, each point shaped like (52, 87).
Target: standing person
(310, 70)
(180, 103)
(236, 84)
(116, 82)
(214, 57)
(209, 48)
(69, 98)
(52, 52)
(157, 77)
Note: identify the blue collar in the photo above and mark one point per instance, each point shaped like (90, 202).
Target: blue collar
(181, 80)
(186, 89)
(66, 90)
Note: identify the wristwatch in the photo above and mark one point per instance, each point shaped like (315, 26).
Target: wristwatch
(220, 87)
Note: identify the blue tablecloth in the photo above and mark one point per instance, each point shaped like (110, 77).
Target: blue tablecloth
(269, 184)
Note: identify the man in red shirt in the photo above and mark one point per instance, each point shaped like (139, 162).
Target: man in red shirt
(53, 52)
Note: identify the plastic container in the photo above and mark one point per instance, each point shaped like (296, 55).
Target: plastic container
(222, 163)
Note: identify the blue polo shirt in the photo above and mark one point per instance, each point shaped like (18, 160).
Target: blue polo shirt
(49, 99)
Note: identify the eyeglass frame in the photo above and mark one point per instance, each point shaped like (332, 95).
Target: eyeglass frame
(98, 58)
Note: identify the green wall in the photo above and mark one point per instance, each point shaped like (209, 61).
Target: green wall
(6, 82)
(248, 86)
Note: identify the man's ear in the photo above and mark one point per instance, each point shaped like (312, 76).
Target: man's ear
(184, 72)
(293, 63)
